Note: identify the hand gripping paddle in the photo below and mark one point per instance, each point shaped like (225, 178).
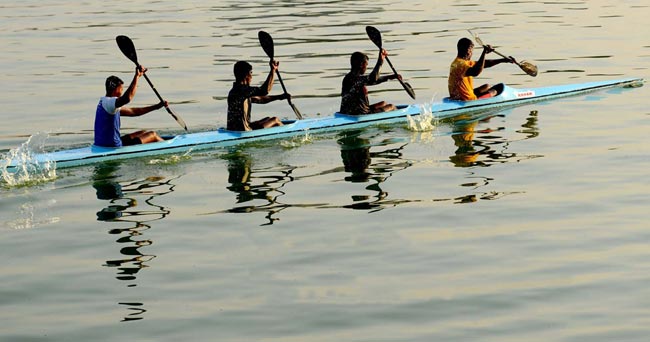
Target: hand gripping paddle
(375, 36)
(128, 49)
(267, 44)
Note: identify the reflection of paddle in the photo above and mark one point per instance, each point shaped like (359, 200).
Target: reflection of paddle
(375, 36)
(527, 67)
(128, 49)
(267, 44)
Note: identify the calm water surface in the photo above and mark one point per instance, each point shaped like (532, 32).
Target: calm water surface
(526, 224)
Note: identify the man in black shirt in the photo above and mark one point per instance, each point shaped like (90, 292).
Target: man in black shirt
(242, 95)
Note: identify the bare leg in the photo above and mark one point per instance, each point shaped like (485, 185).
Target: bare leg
(149, 137)
(272, 122)
(266, 123)
(482, 90)
(485, 91)
(388, 107)
(141, 137)
(382, 106)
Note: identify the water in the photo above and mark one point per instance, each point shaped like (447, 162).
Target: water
(526, 224)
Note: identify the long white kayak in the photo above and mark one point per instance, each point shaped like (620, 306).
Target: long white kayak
(509, 97)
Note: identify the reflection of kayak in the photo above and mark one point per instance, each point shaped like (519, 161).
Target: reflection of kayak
(204, 140)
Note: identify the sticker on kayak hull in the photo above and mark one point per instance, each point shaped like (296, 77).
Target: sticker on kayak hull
(527, 93)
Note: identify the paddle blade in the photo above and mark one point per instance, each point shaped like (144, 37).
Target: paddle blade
(529, 68)
(177, 118)
(408, 89)
(128, 49)
(267, 43)
(476, 38)
(405, 85)
(374, 35)
(295, 110)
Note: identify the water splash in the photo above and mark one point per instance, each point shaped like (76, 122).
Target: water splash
(297, 141)
(172, 159)
(425, 122)
(27, 170)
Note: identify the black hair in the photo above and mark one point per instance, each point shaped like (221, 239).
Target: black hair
(463, 45)
(241, 70)
(112, 82)
(357, 59)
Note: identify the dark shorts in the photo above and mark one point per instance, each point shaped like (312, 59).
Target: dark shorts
(128, 140)
(256, 125)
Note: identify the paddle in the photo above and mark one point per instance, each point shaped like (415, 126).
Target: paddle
(128, 49)
(527, 67)
(267, 44)
(375, 36)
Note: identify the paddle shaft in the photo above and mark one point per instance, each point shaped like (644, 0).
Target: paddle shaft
(395, 72)
(284, 89)
(266, 41)
(157, 94)
(179, 120)
(375, 37)
(529, 72)
(128, 49)
(504, 56)
(530, 69)
(406, 86)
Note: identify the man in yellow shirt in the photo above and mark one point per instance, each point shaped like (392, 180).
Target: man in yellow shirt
(463, 70)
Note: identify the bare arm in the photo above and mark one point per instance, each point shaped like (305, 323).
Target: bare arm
(268, 83)
(373, 78)
(389, 77)
(137, 111)
(130, 92)
(492, 62)
(269, 98)
(477, 69)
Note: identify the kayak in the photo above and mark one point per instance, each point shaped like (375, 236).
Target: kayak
(447, 108)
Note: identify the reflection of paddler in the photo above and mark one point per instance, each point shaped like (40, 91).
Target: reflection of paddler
(463, 137)
(111, 212)
(239, 176)
(355, 153)
(108, 189)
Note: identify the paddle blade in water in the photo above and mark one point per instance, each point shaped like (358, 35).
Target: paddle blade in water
(528, 68)
(374, 35)
(267, 43)
(409, 89)
(128, 49)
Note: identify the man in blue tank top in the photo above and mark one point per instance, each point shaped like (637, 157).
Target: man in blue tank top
(111, 108)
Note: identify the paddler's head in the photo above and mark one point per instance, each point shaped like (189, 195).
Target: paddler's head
(359, 62)
(114, 86)
(243, 72)
(465, 48)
